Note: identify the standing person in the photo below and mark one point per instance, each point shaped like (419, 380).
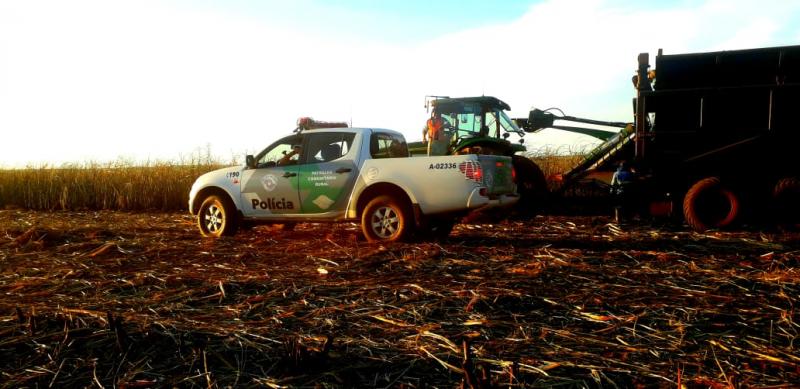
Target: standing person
(622, 191)
(434, 134)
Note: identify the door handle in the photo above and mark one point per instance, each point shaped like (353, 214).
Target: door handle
(344, 170)
(289, 174)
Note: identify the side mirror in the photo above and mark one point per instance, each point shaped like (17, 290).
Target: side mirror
(250, 161)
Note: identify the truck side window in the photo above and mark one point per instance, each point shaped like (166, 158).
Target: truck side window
(387, 146)
(275, 152)
(325, 147)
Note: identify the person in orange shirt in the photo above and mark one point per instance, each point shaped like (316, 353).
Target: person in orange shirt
(434, 134)
(434, 128)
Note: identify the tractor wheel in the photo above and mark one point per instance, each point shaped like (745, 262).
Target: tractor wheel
(787, 200)
(531, 185)
(385, 219)
(217, 217)
(709, 204)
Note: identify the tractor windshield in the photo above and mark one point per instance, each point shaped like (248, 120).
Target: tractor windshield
(471, 121)
(498, 122)
(508, 125)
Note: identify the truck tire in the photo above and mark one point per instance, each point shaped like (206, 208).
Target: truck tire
(531, 185)
(709, 204)
(787, 200)
(385, 219)
(217, 217)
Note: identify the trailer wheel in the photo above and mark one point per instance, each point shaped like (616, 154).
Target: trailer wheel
(385, 219)
(217, 217)
(531, 185)
(787, 200)
(709, 204)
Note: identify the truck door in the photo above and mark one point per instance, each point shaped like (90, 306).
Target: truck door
(329, 173)
(272, 187)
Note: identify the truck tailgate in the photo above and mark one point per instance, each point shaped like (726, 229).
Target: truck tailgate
(497, 174)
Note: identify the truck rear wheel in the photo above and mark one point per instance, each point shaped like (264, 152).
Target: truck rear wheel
(531, 185)
(385, 219)
(709, 204)
(217, 217)
(787, 200)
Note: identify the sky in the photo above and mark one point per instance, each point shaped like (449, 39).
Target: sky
(101, 80)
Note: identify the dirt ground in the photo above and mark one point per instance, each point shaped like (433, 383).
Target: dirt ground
(140, 300)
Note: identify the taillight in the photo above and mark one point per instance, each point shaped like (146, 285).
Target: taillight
(472, 171)
(513, 175)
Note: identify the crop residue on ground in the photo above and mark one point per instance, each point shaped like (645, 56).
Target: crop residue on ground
(140, 300)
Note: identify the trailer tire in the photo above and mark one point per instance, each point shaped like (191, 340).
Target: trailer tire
(531, 185)
(787, 200)
(386, 219)
(709, 204)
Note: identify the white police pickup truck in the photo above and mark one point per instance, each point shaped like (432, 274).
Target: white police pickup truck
(351, 175)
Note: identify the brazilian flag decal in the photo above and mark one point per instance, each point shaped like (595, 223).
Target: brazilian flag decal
(322, 185)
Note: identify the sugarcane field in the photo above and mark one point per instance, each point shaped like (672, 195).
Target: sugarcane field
(140, 299)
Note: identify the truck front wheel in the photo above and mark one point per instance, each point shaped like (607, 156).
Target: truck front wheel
(217, 217)
(385, 219)
(709, 204)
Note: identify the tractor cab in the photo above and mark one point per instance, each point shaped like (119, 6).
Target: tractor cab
(478, 125)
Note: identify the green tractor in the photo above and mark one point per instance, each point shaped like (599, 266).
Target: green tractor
(479, 125)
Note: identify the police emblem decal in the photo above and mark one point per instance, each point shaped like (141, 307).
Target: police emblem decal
(269, 182)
